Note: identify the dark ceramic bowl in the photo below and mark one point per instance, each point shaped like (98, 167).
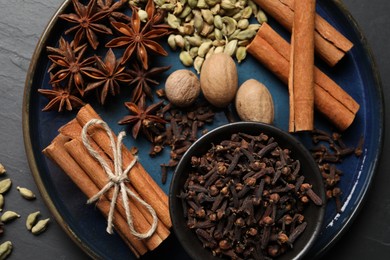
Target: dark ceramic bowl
(313, 214)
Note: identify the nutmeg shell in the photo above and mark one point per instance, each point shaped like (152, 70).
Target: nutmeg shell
(219, 79)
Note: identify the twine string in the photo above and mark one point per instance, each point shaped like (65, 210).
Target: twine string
(117, 180)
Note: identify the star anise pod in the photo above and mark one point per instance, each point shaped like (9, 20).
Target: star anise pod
(61, 50)
(143, 80)
(138, 39)
(142, 117)
(88, 21)
(72, 66)
(112, 7)
(108, 74)
(60, 98)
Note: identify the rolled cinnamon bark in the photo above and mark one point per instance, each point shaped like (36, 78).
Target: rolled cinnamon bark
(58, 154)
(94, 170)
(330, 44)
(330, 99)
(301, 75)
(139, 178)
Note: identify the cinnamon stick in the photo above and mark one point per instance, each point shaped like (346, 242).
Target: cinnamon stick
(330, 44)
(57, 153)
(330, 99)
(94, 170)
(139, 178)
(301, 75)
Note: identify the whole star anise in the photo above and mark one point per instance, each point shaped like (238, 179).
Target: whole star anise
(142, 117)
(138, 39)
(60, 98)
(143, 80)
(112, 7)
(63, 45)
(87, 20)
(108, 74)
(72, 65)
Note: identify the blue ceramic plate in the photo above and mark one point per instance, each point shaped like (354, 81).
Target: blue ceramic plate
(356, 73)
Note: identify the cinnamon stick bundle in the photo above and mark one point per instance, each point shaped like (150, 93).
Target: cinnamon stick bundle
(301, 75)
(330, 44)
(69, 152)
(56, 152)
(330, 99)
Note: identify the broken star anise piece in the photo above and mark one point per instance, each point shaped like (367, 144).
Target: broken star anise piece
(87, 19)
(143, 80)
(142, 117)
(108, 74)
(138, 39)
(72, 65)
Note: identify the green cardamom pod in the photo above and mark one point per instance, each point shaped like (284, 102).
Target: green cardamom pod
(230, 48)
(207, 16)
(207, 29)
(219, 49)
(5, 249)
(245, 35)
(243, 24)
(143, 15)
(204, 48)
(32, 219)
(211, 3)
(172, 42)
(193, 52)
(261, 17)
(231, 24)
(167, 7)
(173, 21)
(227, 5)
(195, 41)
(5, 185)
(2, 169)
(179, 40)
(218, 22)
(8, 216)
(1, 202)
(198, 21)
(246, 12)
(210, 52)
(198, 62)
(215, 9)
(186, 58)
(202, 4)
(253, 6)
(241, 53)
(192, 3)
(40, 226)
(26, 193)
(186, 11)
(178, 8)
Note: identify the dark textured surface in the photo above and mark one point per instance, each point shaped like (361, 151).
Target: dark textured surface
(22, 23)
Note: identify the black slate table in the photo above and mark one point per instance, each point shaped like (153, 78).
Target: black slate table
(21, 24)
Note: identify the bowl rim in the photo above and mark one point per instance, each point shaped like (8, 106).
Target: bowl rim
(179, 232)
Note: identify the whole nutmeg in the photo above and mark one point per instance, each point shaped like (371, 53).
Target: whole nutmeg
(254, 102)
(182, 88)
(219, 79)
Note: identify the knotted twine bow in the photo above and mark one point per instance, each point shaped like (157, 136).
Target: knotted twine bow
(117, 180)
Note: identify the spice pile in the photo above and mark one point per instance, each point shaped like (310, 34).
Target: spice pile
(245, 198)
(34, 224)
